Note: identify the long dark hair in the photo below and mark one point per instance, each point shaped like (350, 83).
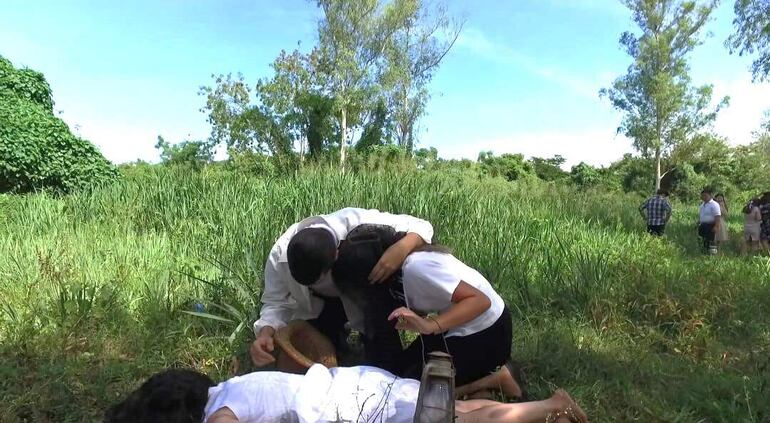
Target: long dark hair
(724, 200)
(360, 252)
(171, 396)
(754, 202)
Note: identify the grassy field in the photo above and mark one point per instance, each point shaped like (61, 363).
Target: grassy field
(94, 289)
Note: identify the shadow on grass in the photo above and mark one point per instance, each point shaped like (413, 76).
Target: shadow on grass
(629, 381)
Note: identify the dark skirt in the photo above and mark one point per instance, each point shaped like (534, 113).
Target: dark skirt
(474, 356)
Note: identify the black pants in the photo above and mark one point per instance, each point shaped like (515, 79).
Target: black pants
(331, 322)
(706, 231)
(656, 230)
(474, 356)
(382, 343)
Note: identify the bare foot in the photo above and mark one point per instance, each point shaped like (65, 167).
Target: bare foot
(501, 379)
(565, 402)
(508, 383)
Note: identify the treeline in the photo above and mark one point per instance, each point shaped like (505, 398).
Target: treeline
(705, 161)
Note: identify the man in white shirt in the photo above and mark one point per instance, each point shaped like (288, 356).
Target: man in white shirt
(298, 282)
(708, 220)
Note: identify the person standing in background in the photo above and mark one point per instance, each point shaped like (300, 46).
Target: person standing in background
(752, 226)
(708, 221)
(764, 209)
(657, 211)
(721, 235)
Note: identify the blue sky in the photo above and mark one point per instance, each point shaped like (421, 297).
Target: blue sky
(523, 76)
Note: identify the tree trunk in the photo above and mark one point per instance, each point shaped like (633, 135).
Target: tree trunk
(657, 169)
(343, 138)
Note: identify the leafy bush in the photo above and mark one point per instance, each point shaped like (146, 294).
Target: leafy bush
(509, 166)
(585, 175)
(37, 149)
(192, 154)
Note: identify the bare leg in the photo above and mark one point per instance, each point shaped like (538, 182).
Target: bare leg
(527, 412)
(501, 380)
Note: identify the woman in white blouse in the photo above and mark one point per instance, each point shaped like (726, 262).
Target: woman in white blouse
(451, 305)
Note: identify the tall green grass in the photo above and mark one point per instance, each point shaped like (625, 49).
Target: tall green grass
(98, 289)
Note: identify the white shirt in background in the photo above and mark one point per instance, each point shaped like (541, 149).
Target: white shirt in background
(341, 394)
(430, 280)
(284, 299)
(709, 212)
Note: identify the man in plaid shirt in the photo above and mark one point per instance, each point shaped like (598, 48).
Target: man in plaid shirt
(657, 211)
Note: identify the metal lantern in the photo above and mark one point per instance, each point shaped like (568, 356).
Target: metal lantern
(436, 400)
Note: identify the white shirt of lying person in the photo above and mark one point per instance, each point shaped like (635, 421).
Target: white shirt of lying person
(431, 278)
(284, 299)
(341, 394)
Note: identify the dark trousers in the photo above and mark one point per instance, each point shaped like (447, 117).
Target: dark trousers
(382, 342)
(656, 230)
(474, 356)
(706, 231)
(331, 322)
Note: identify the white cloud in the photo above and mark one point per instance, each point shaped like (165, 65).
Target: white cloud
(748, 102)
(475, 41)
(593, 146)
(126, 141)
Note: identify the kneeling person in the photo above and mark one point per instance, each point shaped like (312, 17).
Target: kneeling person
(297, 282)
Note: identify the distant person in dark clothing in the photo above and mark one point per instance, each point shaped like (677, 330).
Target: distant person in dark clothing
(764, 209)
(657, 211)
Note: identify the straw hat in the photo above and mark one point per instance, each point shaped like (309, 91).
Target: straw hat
(301, 345)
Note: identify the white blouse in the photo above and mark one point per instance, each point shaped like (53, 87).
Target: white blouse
(354, 394)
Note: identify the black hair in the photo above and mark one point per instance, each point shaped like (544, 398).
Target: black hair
(360, 252)
(662, 192)
(754, 202)
(358, 255)
(706, 191)
(311, 252)
(171, 396)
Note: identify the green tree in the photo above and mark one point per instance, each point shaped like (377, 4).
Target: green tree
(414, 53)
(584, 175)
(37, 149)
(661, 106)
(752, 34)
(509, 166)
(238, 123)
(193, 154)
(549, 169)
(353, 36)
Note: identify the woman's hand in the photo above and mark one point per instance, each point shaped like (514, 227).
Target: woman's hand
(409, 320)
(394, 257)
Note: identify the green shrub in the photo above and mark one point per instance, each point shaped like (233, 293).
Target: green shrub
(37, 149)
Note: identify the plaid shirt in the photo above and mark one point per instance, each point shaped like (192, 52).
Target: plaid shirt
(656, 209)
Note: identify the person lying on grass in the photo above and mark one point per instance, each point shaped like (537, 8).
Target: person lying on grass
(471, 321)
(297, 284)
(351, 394)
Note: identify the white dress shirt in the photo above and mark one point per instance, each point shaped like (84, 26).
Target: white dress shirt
(284, 299)
(709, 212)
